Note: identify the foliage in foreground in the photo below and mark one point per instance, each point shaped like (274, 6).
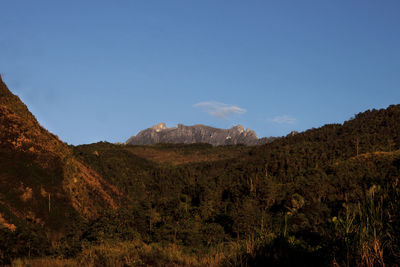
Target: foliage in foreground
(325, 197)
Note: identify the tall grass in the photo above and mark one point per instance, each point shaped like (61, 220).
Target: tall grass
(45, 262)
(361, 227)
(138, 253)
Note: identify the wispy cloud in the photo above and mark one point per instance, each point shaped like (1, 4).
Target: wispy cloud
(218, 109)
(283, 119)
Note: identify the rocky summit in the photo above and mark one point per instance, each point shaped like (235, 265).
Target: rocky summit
(160, 133)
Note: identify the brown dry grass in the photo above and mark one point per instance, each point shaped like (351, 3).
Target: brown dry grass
(372, 254)
(375, 155)
(83, 183)
(180, 156)
(136, 253)
(45, 262)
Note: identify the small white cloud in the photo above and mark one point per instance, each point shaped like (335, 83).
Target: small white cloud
(219, 110)
(283, 119)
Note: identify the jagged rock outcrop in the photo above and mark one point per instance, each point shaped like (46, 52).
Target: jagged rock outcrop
(160, 133)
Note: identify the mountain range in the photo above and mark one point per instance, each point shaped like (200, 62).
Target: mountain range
(182, 134)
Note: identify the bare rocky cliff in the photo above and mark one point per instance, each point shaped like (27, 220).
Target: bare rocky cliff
(182, 134)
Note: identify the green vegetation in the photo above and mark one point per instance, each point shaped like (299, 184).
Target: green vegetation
(325, 197)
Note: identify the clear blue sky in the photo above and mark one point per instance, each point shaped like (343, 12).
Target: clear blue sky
(103, 70)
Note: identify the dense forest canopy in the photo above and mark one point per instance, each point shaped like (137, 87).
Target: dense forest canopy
(322, 197)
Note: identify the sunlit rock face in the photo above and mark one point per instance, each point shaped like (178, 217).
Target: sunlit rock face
(182, 134)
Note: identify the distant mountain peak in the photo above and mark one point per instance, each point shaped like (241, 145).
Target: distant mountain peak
(198, 133)
(159, 127)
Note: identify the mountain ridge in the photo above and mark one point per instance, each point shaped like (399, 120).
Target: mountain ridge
(40, 179)
(198, 133)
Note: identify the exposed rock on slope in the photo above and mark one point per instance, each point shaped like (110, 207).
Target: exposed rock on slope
(159, 133)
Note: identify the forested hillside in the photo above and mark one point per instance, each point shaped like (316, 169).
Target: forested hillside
(327, 195)
(324, 197)
(43, 188)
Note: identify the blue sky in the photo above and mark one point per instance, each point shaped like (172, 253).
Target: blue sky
(103, 70)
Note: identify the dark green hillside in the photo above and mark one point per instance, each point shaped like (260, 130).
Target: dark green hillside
(371, 131)
(176, 154)
(289, 194)
(325, 197)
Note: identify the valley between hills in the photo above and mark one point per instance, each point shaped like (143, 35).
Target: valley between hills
(328, 196)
